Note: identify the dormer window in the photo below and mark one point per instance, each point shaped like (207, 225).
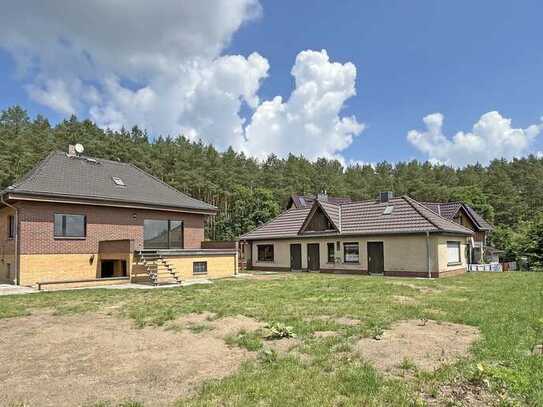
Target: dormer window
(118, 181)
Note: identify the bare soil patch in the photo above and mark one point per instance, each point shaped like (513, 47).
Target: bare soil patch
(218, 328)
(341, 320)
(347, 321)
(283, 345)
(462, 394)
(78, 359)
(427, 345)
(232, 325)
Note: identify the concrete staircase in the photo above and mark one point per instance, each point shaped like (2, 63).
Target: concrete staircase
(157, 268)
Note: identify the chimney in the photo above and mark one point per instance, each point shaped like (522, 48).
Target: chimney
(385, 196)
(71, 151)
(322, 196)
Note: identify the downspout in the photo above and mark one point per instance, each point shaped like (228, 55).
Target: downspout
(429, 265)
(16, 237)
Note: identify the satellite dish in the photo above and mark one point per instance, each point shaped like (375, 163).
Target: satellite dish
(79, 148)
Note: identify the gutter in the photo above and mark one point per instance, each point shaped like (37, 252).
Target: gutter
(429, 265)
(16, 237)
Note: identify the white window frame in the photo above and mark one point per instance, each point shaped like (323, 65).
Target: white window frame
(345, 254)
(454, 253)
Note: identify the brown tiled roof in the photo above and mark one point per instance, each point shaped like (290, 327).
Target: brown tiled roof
(286, 224)
(303, 201)
(364, 218)
(482, 223)
(446, 209)
(449, 210)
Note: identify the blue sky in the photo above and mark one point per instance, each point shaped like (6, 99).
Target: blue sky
(462, 59)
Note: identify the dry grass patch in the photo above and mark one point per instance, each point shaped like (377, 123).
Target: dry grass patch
(325, 334)
(425, 344)
(421, 288)
(462, 394)
(404, 300)
(52, 360)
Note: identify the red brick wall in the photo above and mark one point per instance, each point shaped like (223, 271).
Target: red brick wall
(103, 223)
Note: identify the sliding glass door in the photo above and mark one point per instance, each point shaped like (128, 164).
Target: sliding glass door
(162, 234)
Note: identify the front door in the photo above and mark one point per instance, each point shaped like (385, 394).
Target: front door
(295, 257)
(376, 258)
(313, 257)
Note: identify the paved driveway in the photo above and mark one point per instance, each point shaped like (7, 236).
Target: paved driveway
(8, 289)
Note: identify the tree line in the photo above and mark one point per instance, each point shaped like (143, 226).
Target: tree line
(247, 192)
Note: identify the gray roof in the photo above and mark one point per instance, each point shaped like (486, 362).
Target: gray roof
(363, 218)
(87, 178)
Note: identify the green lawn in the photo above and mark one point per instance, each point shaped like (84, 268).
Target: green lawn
(507, 308)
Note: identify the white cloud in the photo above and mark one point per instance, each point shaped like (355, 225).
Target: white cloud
(309, 120)
(491, 137)
(162, 67)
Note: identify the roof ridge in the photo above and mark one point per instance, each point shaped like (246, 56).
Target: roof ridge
(412, 201)
(167, 185)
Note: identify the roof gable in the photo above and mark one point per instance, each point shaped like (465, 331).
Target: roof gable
(87, 178)
(322, 217)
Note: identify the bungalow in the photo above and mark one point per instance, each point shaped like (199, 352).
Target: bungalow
(389, 236)
(75, 220)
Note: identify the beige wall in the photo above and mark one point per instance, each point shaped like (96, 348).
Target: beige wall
(218, 266)
(442, 247)
(402, 253)
(39, 268)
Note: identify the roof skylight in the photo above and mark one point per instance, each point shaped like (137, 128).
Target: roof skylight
(118, 181)
(388, 210)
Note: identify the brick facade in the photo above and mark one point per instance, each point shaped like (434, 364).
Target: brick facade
(103, 223)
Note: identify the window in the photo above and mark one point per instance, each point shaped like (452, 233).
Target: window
(453, 253)
(199, 267)
(11, 227)
(162, 234)
(118, 181)
(331, 253)
(388, 210)
(265, 252)
(351, 253)
(70, 226)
